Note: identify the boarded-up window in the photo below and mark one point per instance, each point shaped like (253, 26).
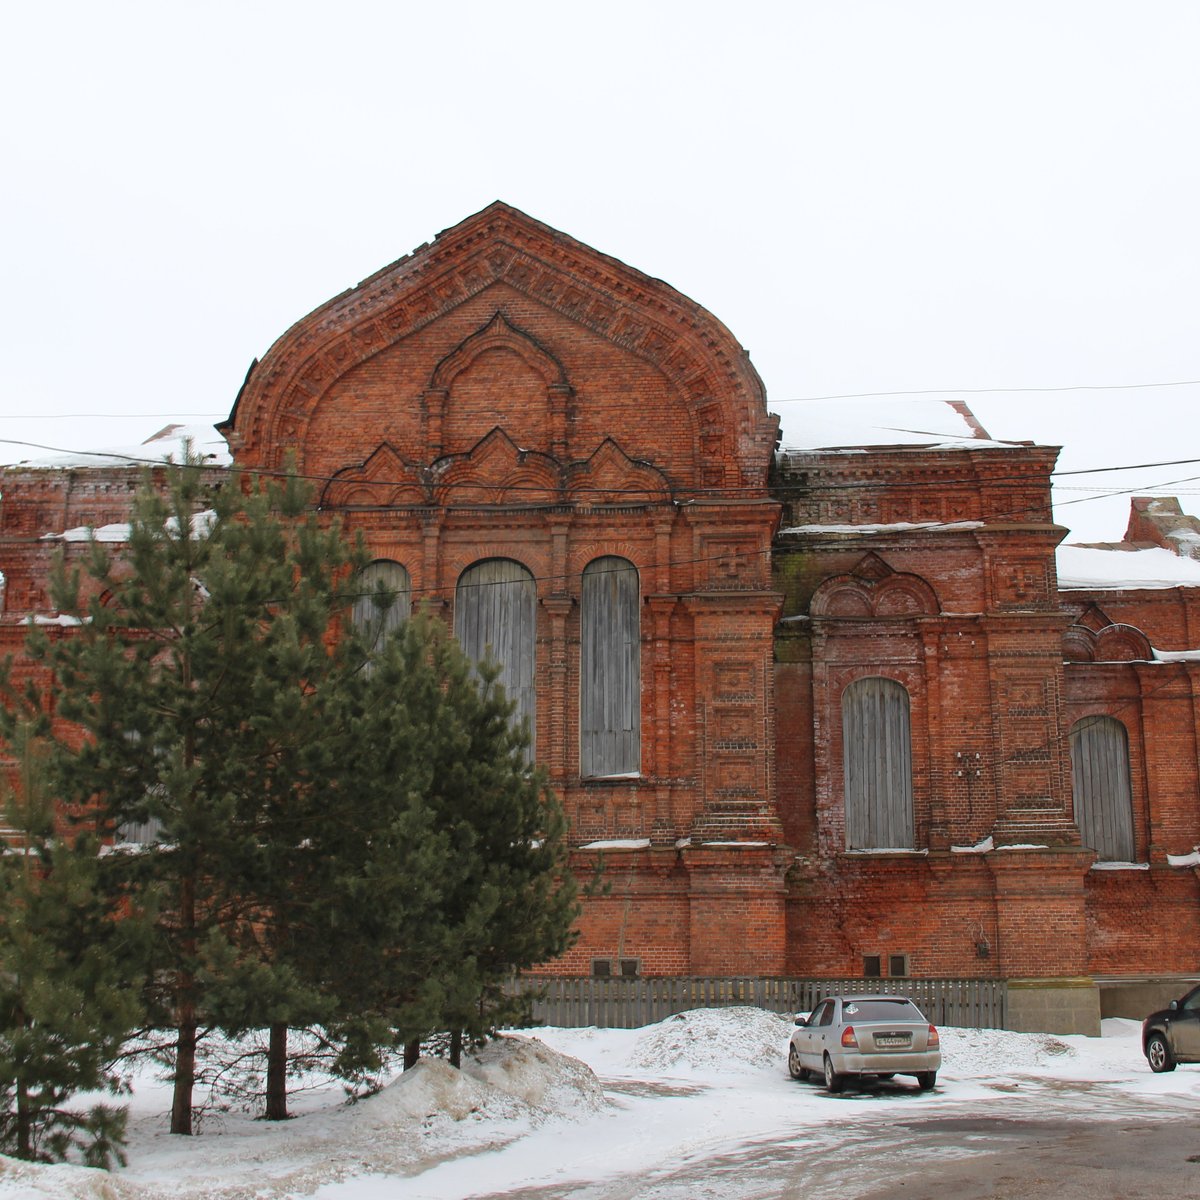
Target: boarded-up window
(382, 600)
(877, 749)
(494, 618)
(1100, 786)
(610, 698)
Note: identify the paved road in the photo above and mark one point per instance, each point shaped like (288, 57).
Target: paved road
(1019, 1158)
(1091, 1153)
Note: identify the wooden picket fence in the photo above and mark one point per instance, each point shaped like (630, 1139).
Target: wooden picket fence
(617, 1002)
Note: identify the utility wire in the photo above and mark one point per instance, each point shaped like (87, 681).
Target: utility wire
(999, 391)
(647, 494)
(971, 391)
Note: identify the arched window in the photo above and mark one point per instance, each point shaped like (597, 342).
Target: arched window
(610, 697)
(877, 750)
(382, 600)
(494, 617)
(1100, 787)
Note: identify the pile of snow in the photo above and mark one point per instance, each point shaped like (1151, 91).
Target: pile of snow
(729, 1040)
(542, 1080)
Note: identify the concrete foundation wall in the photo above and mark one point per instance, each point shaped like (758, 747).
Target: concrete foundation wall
(1136, 999)
(1054, 1006)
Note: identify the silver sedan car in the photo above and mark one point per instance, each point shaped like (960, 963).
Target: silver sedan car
(878, 1036)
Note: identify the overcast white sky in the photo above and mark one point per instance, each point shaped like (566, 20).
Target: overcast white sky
(873, 196)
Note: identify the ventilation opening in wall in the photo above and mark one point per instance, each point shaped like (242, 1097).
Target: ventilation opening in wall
(898, 965)
(631, 967)
(872, 966)
(601, 968)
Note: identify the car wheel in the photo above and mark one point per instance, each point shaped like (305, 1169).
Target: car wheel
(1158, 1054)
(795, 1068)
(926, 1080)
(833, 1081)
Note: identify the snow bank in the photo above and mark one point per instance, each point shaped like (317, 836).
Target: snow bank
(32, 1181)
(707, 1039)
(543, 1080)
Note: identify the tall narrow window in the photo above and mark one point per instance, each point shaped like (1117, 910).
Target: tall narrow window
(877, 750)
(610, 699)
(494, 618)
(382, 600)
(1100, 787)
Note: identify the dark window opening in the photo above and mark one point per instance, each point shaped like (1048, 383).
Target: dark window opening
(629, 967)
(898, 965)
(601, 968)
(872, 966)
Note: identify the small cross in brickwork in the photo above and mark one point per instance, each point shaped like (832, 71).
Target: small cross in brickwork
(731, 563)
(1023, 582)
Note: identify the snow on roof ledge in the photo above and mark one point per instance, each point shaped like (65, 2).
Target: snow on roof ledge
(1184, 860)
(169, 442)
(852, 423)
(983, 847)
(1085, 568)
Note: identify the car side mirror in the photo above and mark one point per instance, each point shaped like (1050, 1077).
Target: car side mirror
(1174, 1005)
(801, 1019)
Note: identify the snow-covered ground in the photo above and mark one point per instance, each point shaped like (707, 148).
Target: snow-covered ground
(594, 1112)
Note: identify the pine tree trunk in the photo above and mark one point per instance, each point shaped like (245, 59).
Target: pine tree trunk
(277, 1073)
(24, 1122)
(412, 1052)
(185, 1070)
(456, 1048)
(186, 1023)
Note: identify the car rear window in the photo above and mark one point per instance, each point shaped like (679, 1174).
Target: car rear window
(881, 1010)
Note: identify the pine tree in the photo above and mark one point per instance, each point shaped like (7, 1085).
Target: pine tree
(196, 675)
(448, 845)
(67, 949)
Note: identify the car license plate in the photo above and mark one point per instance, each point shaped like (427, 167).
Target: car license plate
(893, 1039)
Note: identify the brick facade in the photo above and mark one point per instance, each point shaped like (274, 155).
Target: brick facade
(506, 392)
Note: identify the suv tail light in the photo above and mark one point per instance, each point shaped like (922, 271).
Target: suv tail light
(848, 1038)
(934, 1040)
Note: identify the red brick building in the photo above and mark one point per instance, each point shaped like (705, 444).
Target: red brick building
(817, 710)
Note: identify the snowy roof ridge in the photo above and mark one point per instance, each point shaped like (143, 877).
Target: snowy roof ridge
(169, 442)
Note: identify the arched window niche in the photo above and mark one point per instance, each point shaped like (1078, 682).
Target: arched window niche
(495, 618)
(610, 694)
(877, 757)
(1100, 787)
(382, 600)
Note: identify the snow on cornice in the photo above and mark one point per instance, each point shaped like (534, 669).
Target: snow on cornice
(985, 846)
(618, 844)
(1184, 860)
(89, 533)
(892, 527)
(1169, 656)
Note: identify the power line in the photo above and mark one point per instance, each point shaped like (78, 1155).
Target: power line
(969, 391)
(782, 487)
(1006, 391)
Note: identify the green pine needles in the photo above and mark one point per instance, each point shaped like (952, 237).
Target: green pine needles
(248, 815)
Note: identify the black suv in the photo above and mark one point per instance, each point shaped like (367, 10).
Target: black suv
(1172, 1035)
